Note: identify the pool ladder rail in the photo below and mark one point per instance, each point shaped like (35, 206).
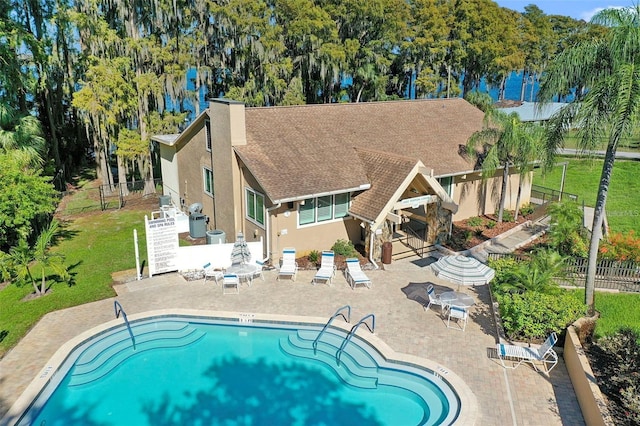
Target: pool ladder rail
(337, 313)
(371, 328)
(120, 310)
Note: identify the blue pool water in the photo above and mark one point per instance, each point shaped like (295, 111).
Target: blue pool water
(201, 372)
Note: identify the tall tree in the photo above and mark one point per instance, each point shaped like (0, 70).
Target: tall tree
(503, 143)
(21, 137)
(606, 72)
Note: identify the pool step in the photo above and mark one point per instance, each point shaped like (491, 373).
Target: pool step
(422, 389)
(350, 371)
(111, 356)
(121, 336)
(332, 342)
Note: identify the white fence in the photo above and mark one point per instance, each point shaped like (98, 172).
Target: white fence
(219, 255)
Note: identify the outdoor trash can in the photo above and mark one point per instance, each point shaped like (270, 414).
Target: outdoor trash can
(387, 249)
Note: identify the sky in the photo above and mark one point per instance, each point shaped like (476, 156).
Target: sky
(577, 9)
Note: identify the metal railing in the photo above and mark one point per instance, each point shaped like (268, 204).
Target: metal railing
(119, 310)
(338, 312)
(353, 331)
(415, 241)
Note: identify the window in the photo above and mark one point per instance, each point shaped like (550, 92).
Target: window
(446, 183)
(208, 181)
(322, 209)
(255, 206)
(207, 134)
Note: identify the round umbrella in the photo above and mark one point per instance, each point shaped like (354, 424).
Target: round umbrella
(240, 252)
(462, 270)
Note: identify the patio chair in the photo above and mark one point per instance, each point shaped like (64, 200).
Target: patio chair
(460, 315)
(259, 268)
(289, 267)
(544, 355)
(211, 272)
(434, 300)
(354, 274)
(327, 268)
(230, 284)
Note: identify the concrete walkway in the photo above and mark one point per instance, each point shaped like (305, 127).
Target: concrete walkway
(515, 397)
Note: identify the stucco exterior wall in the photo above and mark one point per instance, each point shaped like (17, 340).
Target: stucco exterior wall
(170, 179)
(476, 197)
(287, 233)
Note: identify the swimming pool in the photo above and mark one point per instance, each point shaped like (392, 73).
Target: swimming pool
(243, 370)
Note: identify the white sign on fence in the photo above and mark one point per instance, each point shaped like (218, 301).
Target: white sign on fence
(162, 245)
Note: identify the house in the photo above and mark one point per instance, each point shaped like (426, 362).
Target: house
(306, 176)
(534, 112)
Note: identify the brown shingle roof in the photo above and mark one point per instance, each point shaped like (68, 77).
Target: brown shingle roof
(386, 172)
(305, 150)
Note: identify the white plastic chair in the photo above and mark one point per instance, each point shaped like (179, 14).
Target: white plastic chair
(544, 355)
(211, 272)
(289, 267)
(354, 274)
(460, 315)
(327, 268)
(230, 284)
(434, 300)
(259, 268)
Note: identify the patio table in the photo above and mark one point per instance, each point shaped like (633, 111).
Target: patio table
(457, 298)
(244, 271)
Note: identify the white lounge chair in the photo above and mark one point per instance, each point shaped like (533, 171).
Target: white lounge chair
(327, 268)
(434, 300)
(211, 272)
(543, 355)
(354, 274)
(289, 267)
(230, 284)
(460, 315)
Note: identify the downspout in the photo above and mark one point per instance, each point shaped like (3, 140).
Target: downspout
(268, 230)
(371, 237)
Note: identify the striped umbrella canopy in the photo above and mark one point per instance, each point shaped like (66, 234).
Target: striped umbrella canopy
(462, 270)
(240, 252)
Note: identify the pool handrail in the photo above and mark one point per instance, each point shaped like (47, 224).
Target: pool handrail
(120, 310)
(338, 312)
(353, 331)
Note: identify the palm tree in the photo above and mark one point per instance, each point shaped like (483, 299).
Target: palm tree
(22, 257)
(505, 142)
(21, 136)
(606, 75)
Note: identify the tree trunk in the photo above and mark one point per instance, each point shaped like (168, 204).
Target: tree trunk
(596, 231)
(503, 191)
(43, 284)
(523, 87)
(515, 215)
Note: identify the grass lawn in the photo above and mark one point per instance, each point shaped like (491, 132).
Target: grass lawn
(583, 178)
(630, 144)
(95, 245)
(617, 311)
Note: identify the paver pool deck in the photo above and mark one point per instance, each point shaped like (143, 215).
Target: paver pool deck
(517, 397)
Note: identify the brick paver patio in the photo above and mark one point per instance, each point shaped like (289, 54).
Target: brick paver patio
(518, 397)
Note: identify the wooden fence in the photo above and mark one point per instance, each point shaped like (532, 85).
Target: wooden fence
(610, 274)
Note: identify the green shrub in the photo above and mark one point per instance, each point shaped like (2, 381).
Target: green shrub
(533, 315)
(468, 235)
(617, 358)
(527, 209)
(475, 221)
(505, 268)
(507, 216)
(566, 233)
(491, 224)
(344, 248)
(314, 256)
